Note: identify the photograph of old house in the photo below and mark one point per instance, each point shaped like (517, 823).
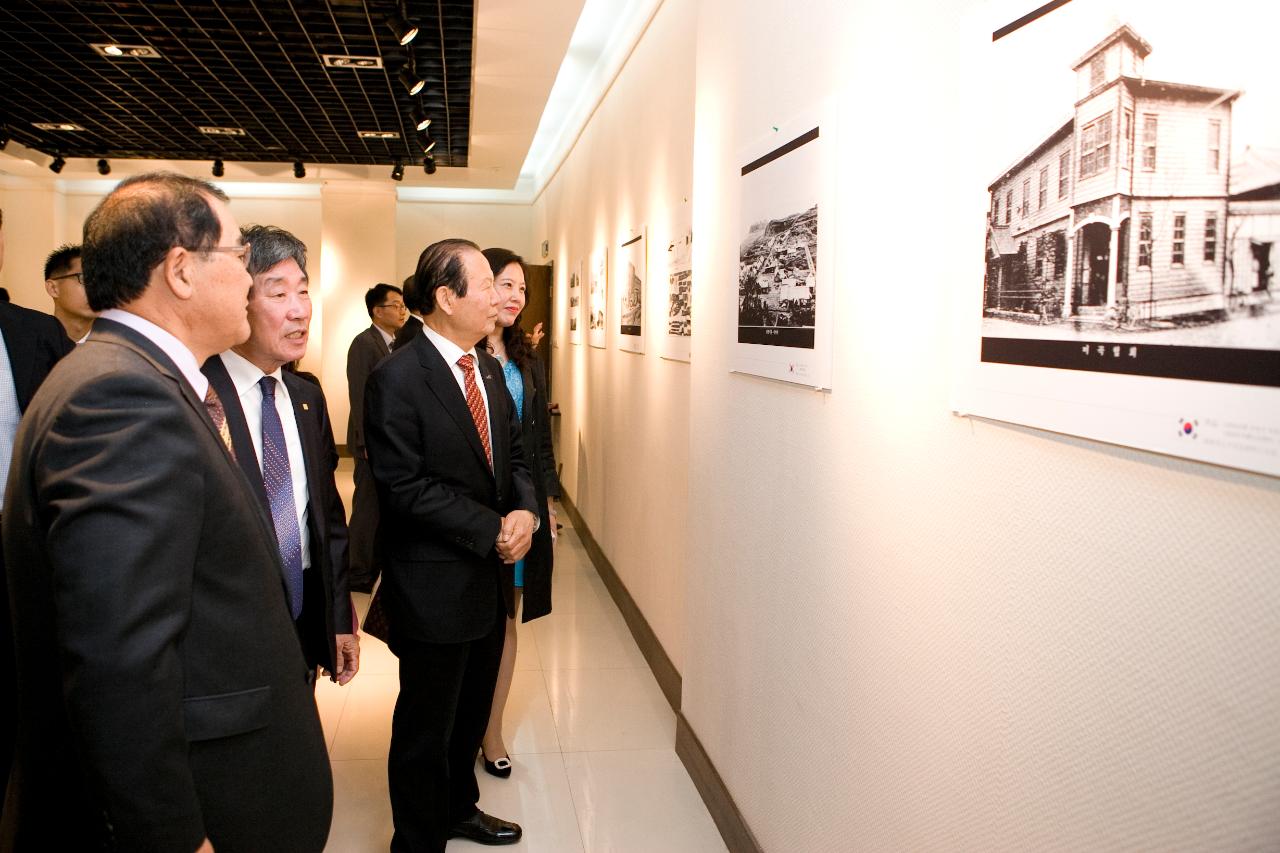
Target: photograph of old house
(1131, 221)
(575, 300)
(597, 307)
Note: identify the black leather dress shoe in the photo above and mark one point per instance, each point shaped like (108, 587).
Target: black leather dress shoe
(487, 829)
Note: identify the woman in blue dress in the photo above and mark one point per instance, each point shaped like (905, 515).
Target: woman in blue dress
(526, 380)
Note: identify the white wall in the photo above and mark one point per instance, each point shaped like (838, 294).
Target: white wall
(911, 631)
(624, 425)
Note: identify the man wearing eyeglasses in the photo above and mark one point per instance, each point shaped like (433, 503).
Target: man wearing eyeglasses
(64, 282)
(385, 304)
(163, 699)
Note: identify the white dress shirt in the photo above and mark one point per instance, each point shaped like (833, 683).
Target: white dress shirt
(172, 347)
(245, 376)
(386, 339)
(452, 352)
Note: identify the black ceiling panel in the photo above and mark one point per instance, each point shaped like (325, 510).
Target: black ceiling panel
(252, 64)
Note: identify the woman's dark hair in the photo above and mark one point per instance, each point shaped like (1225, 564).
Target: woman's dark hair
(519, 349)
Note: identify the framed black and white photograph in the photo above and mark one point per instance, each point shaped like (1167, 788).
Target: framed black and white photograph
(1131, 227)
(783, 299)
(632, 271)
(598, 305)
(678, 332)
(575, 303)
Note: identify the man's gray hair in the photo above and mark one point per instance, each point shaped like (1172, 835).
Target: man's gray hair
(271, 245)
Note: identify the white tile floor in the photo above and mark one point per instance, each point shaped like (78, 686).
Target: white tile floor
(590, 734)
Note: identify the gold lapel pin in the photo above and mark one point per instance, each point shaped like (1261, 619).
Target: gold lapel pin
(305, 408)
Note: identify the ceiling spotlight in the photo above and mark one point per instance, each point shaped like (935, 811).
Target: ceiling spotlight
(218, 169)
(397, 171)
(429, 165)
(57, 164)
(420, 119)
(405, 32)
(299, 170)
(409, 78)
(104, 168)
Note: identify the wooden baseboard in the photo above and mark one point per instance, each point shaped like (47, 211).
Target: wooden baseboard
(724, 811)
(733, 828)
(663, 669)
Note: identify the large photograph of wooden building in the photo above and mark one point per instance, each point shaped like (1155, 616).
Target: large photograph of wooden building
(1130, 218)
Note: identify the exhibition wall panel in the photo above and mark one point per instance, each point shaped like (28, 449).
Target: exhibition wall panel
(908, 630)
(624, 415)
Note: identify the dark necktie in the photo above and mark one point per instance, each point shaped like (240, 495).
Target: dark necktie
(476, 403)
(217, 414)
(278, 479)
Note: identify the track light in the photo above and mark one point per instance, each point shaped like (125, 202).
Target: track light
(397, 171)
(409, 77)
(57, 164)
(4, 138)
(299, 170)
(429, 165)
(405, 32)
(218, 169)
(430, 146)
(420, 120)
(104, 168)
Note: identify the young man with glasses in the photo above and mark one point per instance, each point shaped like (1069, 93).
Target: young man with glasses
(64, 283)
(385, 304)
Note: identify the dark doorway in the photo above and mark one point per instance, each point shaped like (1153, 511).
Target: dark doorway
(1262, 262)
(538, 278)
(1095, 238)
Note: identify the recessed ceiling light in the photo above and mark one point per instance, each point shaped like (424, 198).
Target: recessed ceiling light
(378, 134)
(57, 125)
(334, 60)
(126, 51)
(222, 131)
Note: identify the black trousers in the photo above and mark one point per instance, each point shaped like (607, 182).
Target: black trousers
(363, 529)
(441, 713)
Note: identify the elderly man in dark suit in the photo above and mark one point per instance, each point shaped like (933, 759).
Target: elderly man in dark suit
(280, 431)
(458, 507)
(385, 304)
(162, 697)
(33, 343)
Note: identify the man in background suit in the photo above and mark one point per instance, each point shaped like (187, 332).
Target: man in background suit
(33, 343)
(457, 503)
(162, 698)
(64, 282)
(283, 441)
(412, 327)
(385, 304)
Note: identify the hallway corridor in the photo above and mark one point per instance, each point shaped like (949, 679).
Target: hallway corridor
(590, 734)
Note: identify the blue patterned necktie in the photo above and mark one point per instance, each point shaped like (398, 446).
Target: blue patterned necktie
(278, 479)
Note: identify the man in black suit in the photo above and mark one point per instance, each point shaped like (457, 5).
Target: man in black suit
(33, 343)
(291, 410)
(457, 504)
(412, 327)
(162, 697)
(385, 304)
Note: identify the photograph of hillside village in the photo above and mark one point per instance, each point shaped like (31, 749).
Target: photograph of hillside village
(777, 281)
(1133, 220)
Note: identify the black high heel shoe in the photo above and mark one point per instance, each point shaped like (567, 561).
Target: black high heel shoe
(500, 768)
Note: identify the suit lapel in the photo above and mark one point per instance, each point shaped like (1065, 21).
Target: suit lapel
(246, 456)
(20, 343)
(309, 431)
(441, 381)
(379, 342)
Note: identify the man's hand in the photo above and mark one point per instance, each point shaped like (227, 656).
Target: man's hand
(347, 657)
(516, 535)
(551, 516)
(537, 336)
(205, 847)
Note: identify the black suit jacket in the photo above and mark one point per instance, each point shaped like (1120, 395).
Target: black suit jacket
(162, 695)
(366, 350)
(411, 329)
(35, 342)
(326, 603)
(442, 506)
(535, 426)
